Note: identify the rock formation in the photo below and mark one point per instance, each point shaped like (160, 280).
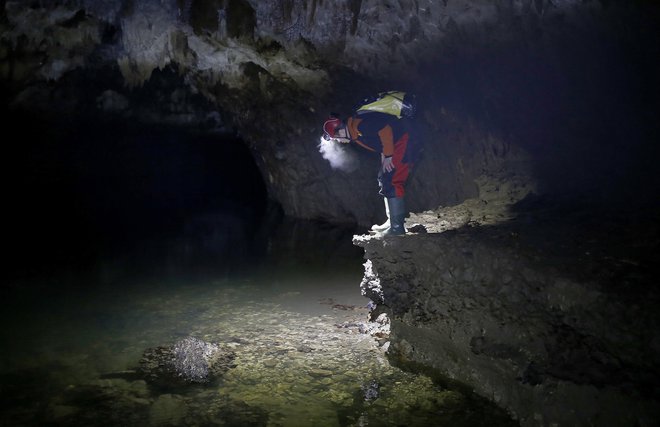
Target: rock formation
(188, 361)
(550, 313)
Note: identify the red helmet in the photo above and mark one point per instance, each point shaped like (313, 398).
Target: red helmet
(330, 126)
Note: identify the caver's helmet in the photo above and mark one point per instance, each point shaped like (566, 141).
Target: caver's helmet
(330, 126)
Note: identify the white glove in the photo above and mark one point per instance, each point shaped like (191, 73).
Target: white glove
(388, 164)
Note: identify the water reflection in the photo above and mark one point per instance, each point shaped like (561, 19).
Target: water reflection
(292, 315)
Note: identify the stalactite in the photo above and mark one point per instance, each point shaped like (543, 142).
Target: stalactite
(222, 24)
(184, 10)
(355, 6)
(312, 13)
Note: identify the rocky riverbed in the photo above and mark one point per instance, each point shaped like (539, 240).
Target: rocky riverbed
(301, 354)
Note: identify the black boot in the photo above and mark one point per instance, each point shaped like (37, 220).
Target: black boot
(397, 210)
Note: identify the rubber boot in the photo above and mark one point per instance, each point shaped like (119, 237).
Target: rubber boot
(397, 209)
(384, 226)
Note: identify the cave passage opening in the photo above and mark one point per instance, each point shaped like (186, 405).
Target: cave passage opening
(80, 188)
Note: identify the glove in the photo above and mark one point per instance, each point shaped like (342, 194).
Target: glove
(388, 164)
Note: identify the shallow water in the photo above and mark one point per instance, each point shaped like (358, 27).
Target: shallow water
(73, 340)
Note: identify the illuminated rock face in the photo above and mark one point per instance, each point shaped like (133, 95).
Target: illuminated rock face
(543, 314)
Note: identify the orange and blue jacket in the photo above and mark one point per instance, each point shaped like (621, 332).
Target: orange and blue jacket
(375, 131)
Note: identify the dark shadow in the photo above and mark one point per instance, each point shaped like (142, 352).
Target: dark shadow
(81, 190)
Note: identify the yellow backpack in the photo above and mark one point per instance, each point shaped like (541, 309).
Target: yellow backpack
(396, 103)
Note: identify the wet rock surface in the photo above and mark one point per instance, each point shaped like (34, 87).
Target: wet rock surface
(547, 307)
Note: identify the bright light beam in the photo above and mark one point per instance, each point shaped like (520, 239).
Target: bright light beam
(339, 155)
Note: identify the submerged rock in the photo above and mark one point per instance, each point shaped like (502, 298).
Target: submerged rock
(188, 361)
(371, 390)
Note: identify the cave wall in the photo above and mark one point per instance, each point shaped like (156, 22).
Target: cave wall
(560, 93)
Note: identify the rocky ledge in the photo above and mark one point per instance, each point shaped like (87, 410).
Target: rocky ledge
(546, 308)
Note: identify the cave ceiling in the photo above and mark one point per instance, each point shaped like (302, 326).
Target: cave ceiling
(298, 43)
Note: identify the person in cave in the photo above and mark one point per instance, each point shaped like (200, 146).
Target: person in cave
(391, 137)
